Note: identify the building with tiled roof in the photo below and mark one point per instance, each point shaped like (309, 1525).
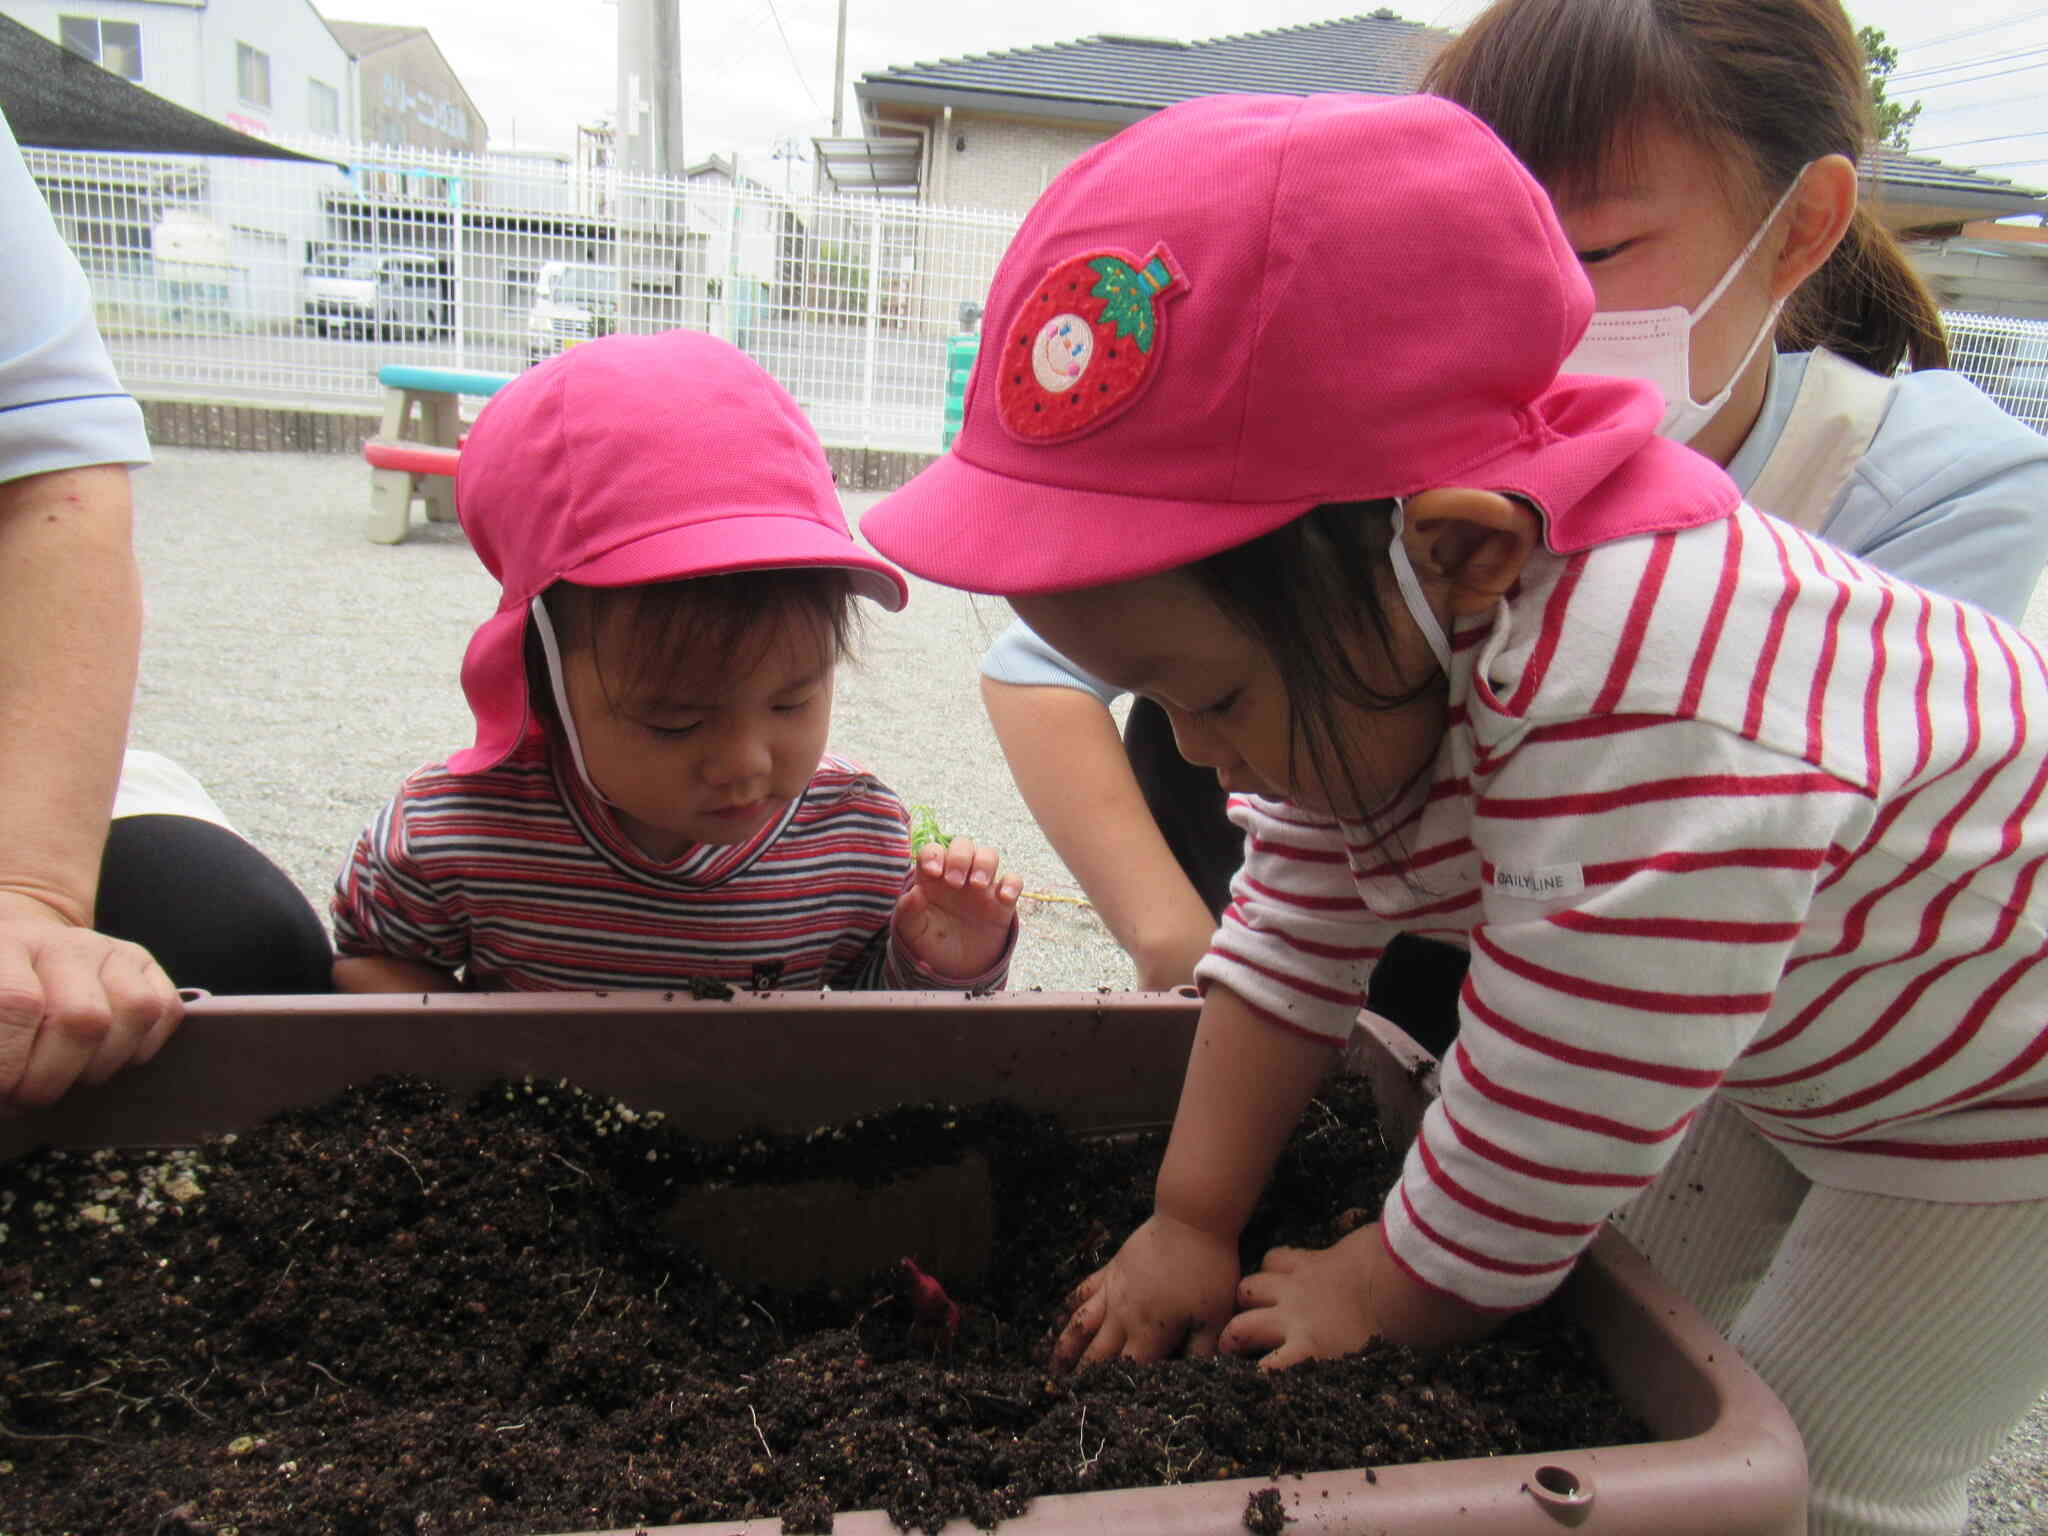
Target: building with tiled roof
(989, 130)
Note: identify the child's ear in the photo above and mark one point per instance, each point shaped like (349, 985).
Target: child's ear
(1471, 544)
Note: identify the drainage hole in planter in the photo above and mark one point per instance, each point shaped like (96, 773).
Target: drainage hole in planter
(1561, 1485)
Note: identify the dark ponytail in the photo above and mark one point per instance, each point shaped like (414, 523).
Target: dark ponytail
(1867, 304)
(1772, 84)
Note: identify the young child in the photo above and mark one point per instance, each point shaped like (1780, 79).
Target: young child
(649, 799)
(1703, 159)
(1743, 835)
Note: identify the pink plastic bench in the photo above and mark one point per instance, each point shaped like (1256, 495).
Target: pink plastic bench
(414, 454)
(401, 471)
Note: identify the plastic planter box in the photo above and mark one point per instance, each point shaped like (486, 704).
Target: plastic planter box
(1725, 1461)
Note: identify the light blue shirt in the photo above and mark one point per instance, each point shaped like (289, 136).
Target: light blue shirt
(61, 407)
(1952, 495)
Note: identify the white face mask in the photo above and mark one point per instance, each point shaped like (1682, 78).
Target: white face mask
(1655, 345)
(1412, 595)
(559, 689)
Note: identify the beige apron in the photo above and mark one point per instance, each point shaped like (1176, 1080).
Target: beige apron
(1834, 416)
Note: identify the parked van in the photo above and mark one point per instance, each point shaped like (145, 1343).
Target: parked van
(380, 294)
(572, 301)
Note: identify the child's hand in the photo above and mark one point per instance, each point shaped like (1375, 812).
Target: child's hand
(1316, 1303)
(956, 916)
(1170, 1286)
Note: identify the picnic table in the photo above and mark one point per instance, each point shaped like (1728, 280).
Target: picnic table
(419, 443)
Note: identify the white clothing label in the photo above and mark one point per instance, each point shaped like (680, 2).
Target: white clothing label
(1540, 884)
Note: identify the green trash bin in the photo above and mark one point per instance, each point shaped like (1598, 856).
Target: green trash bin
(960, 351)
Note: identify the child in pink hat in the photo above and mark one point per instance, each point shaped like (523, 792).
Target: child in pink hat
(649, 801)
(1743, 836)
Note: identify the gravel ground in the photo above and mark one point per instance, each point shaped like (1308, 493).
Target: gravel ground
(301, 671)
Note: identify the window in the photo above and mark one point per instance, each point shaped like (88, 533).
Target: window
(113, 45)
(323, 114)
(252, 75)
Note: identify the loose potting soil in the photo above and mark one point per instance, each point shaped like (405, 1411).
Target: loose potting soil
(401, 1313)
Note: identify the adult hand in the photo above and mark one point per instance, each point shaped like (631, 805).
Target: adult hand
(1316, 1303)
(957, 914)
(75, 1005)
(1170, 1287)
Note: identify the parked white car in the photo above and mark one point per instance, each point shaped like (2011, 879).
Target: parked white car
(378, 294)
(572, 302)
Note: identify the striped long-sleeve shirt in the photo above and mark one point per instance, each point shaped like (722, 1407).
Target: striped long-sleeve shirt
(518, 879)
(1717, 811)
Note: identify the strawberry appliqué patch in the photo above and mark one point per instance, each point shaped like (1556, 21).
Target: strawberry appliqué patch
(1083, 347)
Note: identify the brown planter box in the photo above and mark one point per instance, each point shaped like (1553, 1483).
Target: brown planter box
(1725, 1461)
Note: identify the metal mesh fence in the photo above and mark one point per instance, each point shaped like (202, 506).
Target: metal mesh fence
(267, 281)
(275, 282)
(2007, 359)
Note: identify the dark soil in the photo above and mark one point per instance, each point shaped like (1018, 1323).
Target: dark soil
(397, 1313)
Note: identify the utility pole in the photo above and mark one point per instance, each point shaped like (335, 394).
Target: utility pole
(839, 72)
(650, 88)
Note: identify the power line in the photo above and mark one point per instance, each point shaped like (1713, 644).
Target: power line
(794, 68)
(1995, 138)
(1996, 74)
(1950, 109)
(1905, 75)
(1989, 26)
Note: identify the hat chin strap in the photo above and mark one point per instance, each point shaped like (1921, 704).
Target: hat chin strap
(1411, 594)
(546, 630)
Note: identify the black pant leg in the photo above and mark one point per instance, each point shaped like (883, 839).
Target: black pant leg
(1187, 802)
(213, 910)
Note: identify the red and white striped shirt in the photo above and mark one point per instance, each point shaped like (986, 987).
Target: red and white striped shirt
(519, 879)
(1721, 810)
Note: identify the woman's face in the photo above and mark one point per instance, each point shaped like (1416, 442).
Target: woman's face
(1663, 229)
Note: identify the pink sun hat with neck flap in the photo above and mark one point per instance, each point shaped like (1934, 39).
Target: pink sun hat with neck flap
(1244, 306)
(631, 460)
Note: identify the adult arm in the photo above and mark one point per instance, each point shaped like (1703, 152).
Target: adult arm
(1061, 742)
(74, 1004)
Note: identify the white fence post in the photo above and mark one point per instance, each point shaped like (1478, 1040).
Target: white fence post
(867, 383)
(461, 328)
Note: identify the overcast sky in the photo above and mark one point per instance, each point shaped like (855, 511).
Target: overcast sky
(759, 71)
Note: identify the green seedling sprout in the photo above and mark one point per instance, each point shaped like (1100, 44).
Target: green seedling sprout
(924, 828)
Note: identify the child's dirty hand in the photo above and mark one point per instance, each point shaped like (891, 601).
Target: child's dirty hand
(1170, 1287)
(956, 916)
(1317, 1303)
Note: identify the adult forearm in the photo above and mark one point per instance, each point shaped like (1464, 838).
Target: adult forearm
(1248, 1080)
(1069, 766)
(70, 627)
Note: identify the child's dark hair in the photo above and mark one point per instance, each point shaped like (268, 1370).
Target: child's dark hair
(723, 623)
(1770, 84)
(1309, 592)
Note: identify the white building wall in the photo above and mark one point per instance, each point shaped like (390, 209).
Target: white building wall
(188, 53)
(300, 49)
(171, 57)
(1003, 162)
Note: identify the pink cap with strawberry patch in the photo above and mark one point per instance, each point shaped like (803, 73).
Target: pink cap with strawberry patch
(1245, 306)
